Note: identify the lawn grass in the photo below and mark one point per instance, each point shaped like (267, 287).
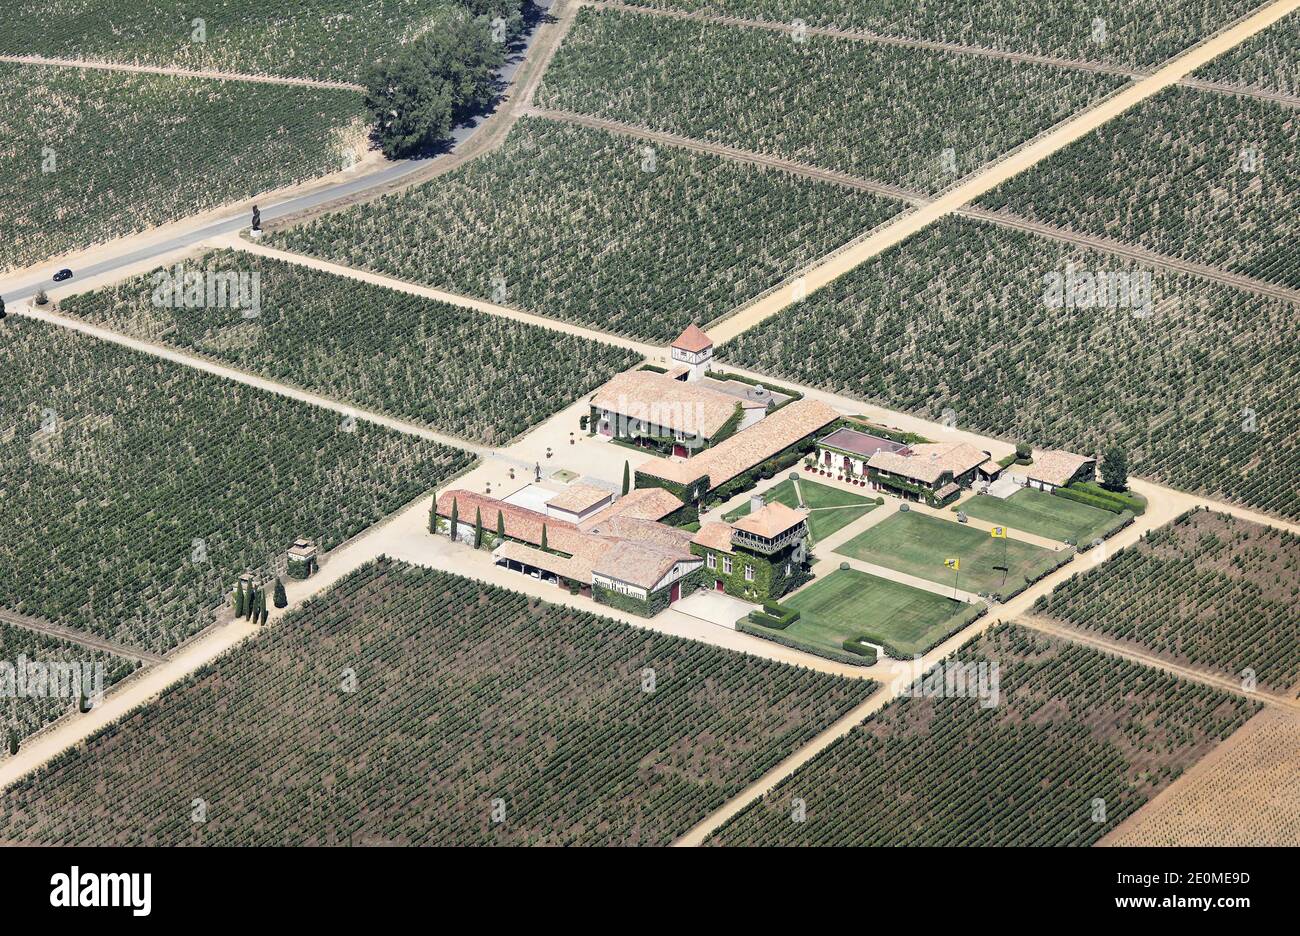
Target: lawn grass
(918, 545)
(830, 508)
(1042, 514)
(848, 603)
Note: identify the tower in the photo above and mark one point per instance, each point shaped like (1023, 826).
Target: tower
(693, 350)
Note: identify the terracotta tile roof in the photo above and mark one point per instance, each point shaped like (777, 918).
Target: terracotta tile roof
(714, 535)
(520, 522)
(577, 568)
(652, 503)
(1055, 466)
(990, 468)
(641, 564)
(769, 521)
(579, 497)
(742, 451)
(947, 490)
(646, 531)
(693, 339)
(927, 462)
(673, 404)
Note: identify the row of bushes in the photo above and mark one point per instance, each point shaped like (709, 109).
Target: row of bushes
(774, 616)
(855, 646)
(745, 626)
(1113, 504)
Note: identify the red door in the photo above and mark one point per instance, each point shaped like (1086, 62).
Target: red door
(675, 593)
(679, 451)
(718, 586)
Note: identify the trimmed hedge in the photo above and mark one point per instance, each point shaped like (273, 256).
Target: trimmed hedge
(853, 645)
(1103, 503)
(838, 656)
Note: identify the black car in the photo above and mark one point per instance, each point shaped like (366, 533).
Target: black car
(62, 275)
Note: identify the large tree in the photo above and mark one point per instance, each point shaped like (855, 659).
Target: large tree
(1114, 469)
(429, 85)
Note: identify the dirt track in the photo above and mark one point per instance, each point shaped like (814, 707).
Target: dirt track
(984, 181)
(179, 72)
(1164, 503)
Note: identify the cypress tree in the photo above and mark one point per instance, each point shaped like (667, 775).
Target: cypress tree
(281, 600)
(501, 526)
(627, 478)
(455, 517)
(241, 608)
(543, 536)
(13, 742)
(433, 516)
(478, 527)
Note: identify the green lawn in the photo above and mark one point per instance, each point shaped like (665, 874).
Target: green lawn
(1042, 514)
(831, 508)
(849, 603)
(916, 544)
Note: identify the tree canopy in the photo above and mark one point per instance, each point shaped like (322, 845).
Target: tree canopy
(429, 85)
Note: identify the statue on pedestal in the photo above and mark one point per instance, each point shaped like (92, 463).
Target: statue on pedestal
(257, 219)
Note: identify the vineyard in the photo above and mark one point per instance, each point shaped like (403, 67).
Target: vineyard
(877, 112)
(92, 155)
(1209, 590)
(1270, 60)
(1242, 795)
(476, 375)
(1201, 391)
(22, 715)
(1210, 178)
(1136, 32)
(137, 490)
(599, 229)
(410, 706)
(1073, 726)
(322, 39)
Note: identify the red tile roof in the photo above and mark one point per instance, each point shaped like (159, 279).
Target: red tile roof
(693, 339)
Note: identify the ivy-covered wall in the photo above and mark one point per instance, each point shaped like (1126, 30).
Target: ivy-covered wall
(770, 579)
(655, 602)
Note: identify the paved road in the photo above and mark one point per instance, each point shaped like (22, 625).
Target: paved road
(377, 179)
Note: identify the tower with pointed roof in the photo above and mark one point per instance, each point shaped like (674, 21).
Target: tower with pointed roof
(692, 350)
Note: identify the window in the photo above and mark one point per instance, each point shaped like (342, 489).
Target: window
(726, 564)
(711, 561)
(749, 572)
(787, 568)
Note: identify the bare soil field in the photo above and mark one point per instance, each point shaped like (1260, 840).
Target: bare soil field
(1244, 793)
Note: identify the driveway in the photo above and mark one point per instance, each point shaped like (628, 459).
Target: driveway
(715, 607)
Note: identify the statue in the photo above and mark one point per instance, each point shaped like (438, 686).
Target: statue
(537, 471)
(257, 219)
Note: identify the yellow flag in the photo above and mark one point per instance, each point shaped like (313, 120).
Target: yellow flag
(954, 564)
(998, 532)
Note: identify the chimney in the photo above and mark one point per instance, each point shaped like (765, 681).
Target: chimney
(756, 503)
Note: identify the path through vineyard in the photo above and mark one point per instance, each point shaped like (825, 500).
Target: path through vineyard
(404, 535)
(988, 178)
(915, 200)
(937, 45)
(215, 75)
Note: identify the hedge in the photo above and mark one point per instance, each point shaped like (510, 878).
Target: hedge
(838, 656)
